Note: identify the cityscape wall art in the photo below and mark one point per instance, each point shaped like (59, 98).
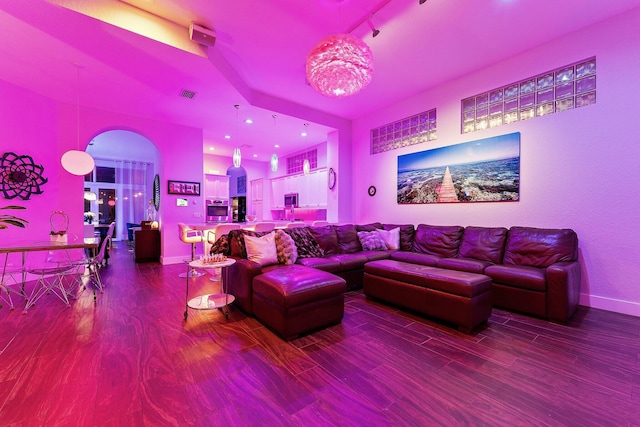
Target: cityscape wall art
(486, 170)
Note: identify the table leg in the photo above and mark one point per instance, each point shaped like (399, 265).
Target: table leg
(186, 297)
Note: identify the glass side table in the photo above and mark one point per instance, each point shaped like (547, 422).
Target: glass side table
(211, 301)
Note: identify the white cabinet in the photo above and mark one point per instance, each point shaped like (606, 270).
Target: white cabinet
(216, 187)
(311, 189)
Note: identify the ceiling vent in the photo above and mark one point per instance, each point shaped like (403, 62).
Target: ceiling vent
(202, 35)
(187, 94)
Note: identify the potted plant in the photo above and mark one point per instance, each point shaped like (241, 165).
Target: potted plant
(7, 220)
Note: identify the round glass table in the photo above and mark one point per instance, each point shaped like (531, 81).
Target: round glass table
(211, 301)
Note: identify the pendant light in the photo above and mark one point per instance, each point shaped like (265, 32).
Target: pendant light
(274, 156)
(306, 166)
(237, 155)
(77, 162)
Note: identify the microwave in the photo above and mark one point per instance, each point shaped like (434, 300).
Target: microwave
(291, 200)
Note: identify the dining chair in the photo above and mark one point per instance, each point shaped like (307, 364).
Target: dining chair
(9, 270)
(51, 268)
(192, 237)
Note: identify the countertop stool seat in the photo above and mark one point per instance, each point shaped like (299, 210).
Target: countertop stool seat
(192, 237)
(294, 300)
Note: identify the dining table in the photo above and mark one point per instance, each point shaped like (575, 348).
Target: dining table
(23, 247)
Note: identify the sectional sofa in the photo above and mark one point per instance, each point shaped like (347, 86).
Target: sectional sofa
(534, 271)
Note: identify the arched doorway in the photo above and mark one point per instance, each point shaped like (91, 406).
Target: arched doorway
(121, 185)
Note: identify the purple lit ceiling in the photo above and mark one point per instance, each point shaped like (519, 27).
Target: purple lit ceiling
(259, 56)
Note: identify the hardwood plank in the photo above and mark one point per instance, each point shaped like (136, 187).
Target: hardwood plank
(131, 359)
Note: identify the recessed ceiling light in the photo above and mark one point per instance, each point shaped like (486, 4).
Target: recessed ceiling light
(277, 146)
(248, 121)
(255, 155)
(212, 149)
(303, 134)
(227, 137)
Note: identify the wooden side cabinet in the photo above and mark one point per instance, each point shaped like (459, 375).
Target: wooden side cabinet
(146, 245)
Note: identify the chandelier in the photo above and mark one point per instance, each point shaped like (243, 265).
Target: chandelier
(339, 65)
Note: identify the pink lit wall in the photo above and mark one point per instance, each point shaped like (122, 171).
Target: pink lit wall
(578, 168)
(44, 129)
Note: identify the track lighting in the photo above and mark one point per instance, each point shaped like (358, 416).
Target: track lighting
(375, 31)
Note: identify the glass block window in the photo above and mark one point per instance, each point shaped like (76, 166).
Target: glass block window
(410, 131)
(562, 89)
(295, 162)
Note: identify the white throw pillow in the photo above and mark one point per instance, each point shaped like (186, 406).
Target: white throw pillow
(262, 249)
(391, 238)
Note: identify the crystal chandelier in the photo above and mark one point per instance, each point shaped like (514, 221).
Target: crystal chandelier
(339, 65)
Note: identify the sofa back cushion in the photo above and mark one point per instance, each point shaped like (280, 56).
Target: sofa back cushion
(540, 247)
(348, 239)
(439, 240)
(327, 239)
(407, 231)
(368, 227)
(306, 244)
(483, 243)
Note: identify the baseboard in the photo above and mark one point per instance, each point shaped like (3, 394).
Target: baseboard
(610, 304)
(173, 260)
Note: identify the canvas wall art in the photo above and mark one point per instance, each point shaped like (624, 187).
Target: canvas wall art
(486, 170)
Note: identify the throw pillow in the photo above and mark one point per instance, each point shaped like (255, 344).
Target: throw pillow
(371, 241)
(262, 249)
(221, 246)
(286, 248)
(391, 238)
(306, 245)
(237, 247)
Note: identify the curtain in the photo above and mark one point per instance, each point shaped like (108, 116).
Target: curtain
(135, 191)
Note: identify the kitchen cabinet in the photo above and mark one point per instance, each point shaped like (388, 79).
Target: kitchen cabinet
(216, 187)
(311, 189)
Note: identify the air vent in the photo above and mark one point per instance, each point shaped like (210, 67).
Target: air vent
(187, 94)
(244, 146)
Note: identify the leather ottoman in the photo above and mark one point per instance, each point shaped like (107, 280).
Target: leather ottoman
(294, 300)
(458, 297)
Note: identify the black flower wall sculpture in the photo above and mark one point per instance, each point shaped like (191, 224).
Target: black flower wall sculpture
(20, 177)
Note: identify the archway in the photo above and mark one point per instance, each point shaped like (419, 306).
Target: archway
(126, 163)
(238, 193)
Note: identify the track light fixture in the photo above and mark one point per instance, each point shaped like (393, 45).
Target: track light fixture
(374, 30)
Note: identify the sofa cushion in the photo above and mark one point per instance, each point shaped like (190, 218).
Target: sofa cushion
(286, 248)
(262, 249)
(439, 240)
(369, 227)
(519, 276)
(407, 231)
(540, 247)
(371, 241)
(470, 265)
(327, 239)
(483, 243)
(348, 239)
(415, 258)
(306, 244)
(327, 263)
(351, 261)
(391, 238)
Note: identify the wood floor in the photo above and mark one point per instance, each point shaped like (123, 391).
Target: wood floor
(131, 360)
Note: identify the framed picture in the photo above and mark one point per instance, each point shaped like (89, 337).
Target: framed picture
(184, 188)
(485, 170)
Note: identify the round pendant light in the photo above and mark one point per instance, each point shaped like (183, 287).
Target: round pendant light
(77, 162)
(339, 65)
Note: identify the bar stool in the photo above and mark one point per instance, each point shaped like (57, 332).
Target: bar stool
(192, 237)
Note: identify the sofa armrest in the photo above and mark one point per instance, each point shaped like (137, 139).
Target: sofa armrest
(563, 290)
(241, 282)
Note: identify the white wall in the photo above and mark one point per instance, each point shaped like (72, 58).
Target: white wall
(578, 168)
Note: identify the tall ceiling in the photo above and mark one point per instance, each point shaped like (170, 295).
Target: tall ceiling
(111, 47)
